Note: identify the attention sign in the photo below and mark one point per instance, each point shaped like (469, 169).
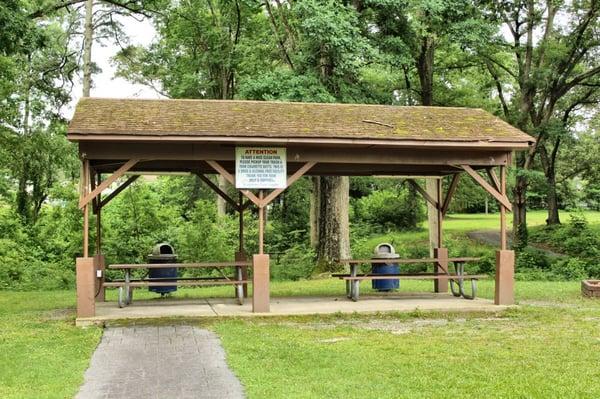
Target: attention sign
(260, 167)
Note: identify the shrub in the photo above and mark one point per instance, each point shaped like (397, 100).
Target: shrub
(297, 263)
(532, 258)
(570, 269)
(389, 209)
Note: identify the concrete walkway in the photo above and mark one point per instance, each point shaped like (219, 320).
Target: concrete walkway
(159, 362)
(287, 306)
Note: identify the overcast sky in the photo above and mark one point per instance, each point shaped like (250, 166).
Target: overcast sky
(105, 84)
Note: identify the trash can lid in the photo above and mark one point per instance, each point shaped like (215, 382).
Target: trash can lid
(163, 248)
(385, 251)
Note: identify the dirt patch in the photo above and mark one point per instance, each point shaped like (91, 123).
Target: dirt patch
(59, 314)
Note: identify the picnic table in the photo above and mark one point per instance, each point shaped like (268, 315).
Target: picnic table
(353, 279)
(127, 284)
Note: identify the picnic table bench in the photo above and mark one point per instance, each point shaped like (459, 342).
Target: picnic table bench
(127, 284)
(353, 279)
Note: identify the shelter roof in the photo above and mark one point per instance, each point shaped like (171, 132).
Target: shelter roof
(268, 121)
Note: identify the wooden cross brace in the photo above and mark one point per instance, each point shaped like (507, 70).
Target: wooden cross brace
(259, 202)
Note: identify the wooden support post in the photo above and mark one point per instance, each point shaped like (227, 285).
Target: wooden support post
(84, 180)
(98, 218)
(86, 281)
(505, 259)
(261, 225)
(260, 284)
(99, 265)
(441, 267)
(505, 278)
(502, 184)
(432, 215)
(440, 215)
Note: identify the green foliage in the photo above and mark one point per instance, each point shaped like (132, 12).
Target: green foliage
(387, 209)
(570, 269)
(297, 263)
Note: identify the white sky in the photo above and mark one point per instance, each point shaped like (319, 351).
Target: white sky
(105, 84)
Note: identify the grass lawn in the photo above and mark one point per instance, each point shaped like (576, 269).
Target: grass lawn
(549, 347)
(548, 350)
(42, 353)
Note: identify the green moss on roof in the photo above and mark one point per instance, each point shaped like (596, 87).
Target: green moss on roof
(287, 120)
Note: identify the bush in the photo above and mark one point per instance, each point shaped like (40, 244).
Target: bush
(570, 269)
(532, 258)
(297, 263)
(389, 209)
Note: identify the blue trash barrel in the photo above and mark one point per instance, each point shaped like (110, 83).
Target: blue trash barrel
(385, 251)
(162, 253)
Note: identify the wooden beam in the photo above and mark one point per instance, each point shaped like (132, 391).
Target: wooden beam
(290, 180)
(110, 180)
(84, 180)
(503, 240)
(503, 199)
(450, 193)
(424, 193)
(217, 190)
(118, 190)
(106, 152)
(494, 178)
(231, 179)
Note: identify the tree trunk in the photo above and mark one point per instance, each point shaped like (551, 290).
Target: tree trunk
(520, 213)
(315, 205)
(425, 70)
(334, 232)
(88, 37)
(553, 217)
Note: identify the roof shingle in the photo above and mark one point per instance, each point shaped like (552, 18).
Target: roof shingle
(212, 118)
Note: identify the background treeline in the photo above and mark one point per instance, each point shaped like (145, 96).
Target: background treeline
(533, 63)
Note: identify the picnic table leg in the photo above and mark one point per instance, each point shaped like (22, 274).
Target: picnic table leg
(354, 285)
(239, 288)
(128, 288)
(459, 282)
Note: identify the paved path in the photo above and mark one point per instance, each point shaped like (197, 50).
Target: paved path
(492, 237)
(159, 362)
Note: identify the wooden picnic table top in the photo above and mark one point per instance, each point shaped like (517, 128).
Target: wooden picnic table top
(404, 261)
(180, 265)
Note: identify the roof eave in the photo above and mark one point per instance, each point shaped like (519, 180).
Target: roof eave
(253, 140)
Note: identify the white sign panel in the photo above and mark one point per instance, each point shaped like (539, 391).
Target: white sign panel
(260, 167)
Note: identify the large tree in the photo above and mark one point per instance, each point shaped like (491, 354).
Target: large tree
(554, 68)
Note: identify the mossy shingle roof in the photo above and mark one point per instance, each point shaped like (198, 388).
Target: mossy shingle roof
(262, 119)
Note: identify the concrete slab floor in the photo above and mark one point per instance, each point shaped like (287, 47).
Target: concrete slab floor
(287, 306)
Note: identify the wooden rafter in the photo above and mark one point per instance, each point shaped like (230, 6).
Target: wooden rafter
(118, 190)
(290, 180)
(261, 202)
(494, 179)
(231, 179)
(106, 183)
(424, 193)
(450, 193)
(218, 190)
(503, 199)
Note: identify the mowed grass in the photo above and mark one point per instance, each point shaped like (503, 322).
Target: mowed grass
(532, 352)
(548, 348)
(42, 353)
